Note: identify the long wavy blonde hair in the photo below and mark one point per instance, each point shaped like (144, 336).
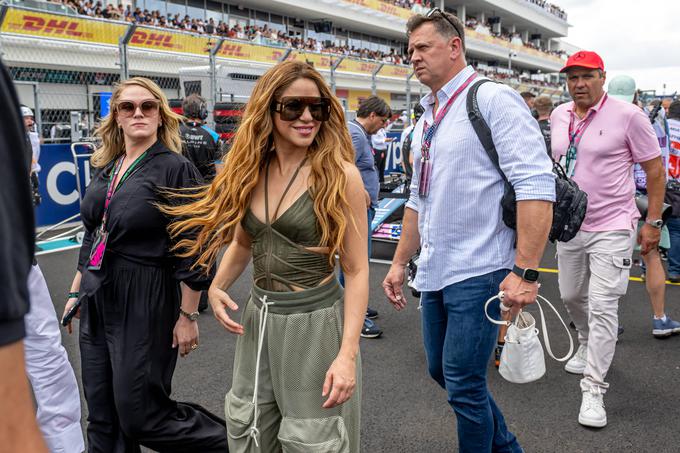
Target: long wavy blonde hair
(113, 143)
(214, 211)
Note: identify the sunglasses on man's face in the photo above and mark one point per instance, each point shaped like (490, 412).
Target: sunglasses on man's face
(292, 107)
(148, 108)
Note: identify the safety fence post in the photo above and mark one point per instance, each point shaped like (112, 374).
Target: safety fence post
(334, 66)
(408, 94)
(123, 49)
(374, 83)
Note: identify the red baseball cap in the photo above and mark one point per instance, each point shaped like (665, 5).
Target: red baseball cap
(584, 59)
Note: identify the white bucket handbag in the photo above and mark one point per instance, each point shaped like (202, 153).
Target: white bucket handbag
(522, 359)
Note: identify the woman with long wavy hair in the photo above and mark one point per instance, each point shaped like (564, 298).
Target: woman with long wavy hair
(137, 301)
(291, 199)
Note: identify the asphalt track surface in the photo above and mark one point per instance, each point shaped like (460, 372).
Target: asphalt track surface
(404, 411)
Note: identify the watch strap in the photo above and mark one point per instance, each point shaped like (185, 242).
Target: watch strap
(656, 223)
(190, 316)
(529, 275)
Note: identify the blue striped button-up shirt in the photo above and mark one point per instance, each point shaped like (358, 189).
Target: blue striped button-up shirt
(462, 234)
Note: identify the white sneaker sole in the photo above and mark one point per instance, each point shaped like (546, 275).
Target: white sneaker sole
(664, 332)
(574, 370)
(599, 423)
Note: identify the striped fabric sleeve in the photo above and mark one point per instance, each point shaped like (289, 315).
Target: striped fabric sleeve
(519, 143)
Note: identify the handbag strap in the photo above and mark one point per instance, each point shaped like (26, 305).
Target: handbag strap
(544, 327)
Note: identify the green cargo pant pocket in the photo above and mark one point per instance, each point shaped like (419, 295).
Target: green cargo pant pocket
(314, 435)
(239, 415)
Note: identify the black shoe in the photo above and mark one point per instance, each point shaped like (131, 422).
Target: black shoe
(370, 330)
(371, 314)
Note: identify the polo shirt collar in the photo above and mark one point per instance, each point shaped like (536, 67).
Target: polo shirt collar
(445, 93)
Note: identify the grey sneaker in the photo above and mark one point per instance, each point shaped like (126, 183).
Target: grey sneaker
(577, 364)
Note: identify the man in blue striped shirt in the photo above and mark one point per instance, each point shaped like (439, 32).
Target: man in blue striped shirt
(467, 252)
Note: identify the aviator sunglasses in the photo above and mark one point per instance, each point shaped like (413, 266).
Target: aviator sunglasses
(292, 107)
(149, 107)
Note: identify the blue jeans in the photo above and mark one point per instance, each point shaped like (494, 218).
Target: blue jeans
(341, 277)
(459, 341)
(673, 225)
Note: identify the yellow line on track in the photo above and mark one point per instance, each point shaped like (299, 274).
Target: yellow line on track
(633, 279)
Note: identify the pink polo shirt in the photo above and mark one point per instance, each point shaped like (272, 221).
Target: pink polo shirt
(619, 135)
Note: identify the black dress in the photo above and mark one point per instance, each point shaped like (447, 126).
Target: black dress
(130, 307)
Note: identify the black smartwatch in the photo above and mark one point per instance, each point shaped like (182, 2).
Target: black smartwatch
(529, 275)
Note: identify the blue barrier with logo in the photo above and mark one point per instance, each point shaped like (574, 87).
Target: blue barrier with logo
(58, 188)
(104, 103)
(393, 157)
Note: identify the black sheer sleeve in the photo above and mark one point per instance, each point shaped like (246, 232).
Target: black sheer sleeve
(187, 175)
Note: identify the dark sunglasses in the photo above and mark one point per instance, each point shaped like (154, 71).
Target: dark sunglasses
(149, 107)
(292, 107)
(436, 10)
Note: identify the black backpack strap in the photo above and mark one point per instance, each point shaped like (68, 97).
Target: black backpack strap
(481, 127)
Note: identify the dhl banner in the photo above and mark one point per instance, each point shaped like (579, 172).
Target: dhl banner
(324, 61)
(383, 7)
(153, 38)
(400, 72)
(319, 61)
(356, 96)
(251, 52)
(58, 26)
(48, 25)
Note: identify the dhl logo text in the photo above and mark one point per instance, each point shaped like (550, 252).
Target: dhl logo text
(162, 40)
(55, 27)
(232, 50)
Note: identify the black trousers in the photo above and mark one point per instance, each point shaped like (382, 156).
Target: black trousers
(127, 367)
(380, 158)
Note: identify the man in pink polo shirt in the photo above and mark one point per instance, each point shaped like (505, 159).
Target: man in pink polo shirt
(598, 139)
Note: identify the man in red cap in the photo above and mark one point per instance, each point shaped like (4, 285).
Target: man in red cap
(598, 139)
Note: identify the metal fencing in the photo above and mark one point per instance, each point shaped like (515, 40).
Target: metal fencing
(65, 68)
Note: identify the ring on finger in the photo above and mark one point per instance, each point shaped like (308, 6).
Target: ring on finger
(194, 346)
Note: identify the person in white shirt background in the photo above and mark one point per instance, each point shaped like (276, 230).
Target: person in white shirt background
(47, 365)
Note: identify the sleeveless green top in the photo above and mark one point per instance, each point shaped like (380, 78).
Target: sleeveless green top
(280, 259)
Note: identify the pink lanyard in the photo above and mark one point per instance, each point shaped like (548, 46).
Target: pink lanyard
(428, 135)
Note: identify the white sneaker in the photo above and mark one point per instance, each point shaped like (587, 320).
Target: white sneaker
(577, 364)
(592, 411)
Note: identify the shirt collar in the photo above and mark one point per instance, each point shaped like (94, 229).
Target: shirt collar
(362, 127)
(445, 93)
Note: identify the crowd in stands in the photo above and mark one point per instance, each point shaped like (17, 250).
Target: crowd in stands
(257, 34)
(422, 6)
(552, 9)
(513, 77)
(267, 35)
(485, 28)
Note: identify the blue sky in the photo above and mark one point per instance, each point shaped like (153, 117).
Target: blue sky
(637, 38)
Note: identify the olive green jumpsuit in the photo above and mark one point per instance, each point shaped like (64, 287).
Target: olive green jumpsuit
(290, 340)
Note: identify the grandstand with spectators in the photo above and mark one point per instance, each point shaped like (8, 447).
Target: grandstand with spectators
(67, 54)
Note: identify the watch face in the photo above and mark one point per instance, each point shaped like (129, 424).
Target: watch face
(530, 275)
